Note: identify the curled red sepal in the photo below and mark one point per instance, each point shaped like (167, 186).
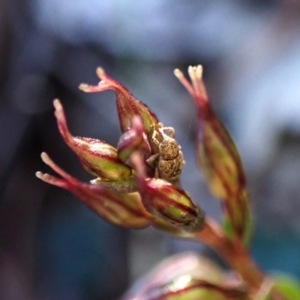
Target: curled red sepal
(218, 158)
(128, 106)
(165, 202)
(123, 209)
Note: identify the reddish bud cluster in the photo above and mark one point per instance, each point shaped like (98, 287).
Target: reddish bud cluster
(129, 190)
(151, 178)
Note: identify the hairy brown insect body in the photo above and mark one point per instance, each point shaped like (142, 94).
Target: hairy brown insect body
(169, 159)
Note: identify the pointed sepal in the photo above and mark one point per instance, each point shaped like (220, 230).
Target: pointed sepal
(97, 157)
(122, 209)
(128, 106)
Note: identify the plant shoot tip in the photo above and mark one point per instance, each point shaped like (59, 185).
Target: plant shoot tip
(39, 174)
(100, 73)
(57, 105)
(178, 73)
(84, 87)
(45, 158)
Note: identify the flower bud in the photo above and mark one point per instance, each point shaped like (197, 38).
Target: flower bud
(166, 202)
(123, 209)
(128, 106)
(186, 276)
(97, 157)
(133, 140)
(218, 157)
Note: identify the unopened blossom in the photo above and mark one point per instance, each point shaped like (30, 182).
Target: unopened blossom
(218, 157)
(167, 202)
(97, 157)
(186, 276)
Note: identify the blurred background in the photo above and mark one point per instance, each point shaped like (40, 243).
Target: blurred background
(51, 246)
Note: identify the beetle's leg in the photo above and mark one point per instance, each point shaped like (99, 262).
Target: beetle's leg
(171, 131)
(154, 139)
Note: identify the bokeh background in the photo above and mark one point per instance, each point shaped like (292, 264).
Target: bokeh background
(54, 248)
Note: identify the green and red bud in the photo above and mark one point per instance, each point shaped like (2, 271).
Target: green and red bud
(128, 106)
(218, 156)
(166, 202)
(97, 157)
(219, 159)
(123, 209)
(186, 276)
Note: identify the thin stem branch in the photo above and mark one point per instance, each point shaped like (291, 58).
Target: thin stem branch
(236, 255)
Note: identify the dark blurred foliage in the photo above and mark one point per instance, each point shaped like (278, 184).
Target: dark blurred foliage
(51, 246)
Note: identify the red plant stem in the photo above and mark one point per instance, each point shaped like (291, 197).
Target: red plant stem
(236, 255)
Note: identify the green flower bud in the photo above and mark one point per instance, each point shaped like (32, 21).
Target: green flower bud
(97, 157)
(166, 202)
(218, 157)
